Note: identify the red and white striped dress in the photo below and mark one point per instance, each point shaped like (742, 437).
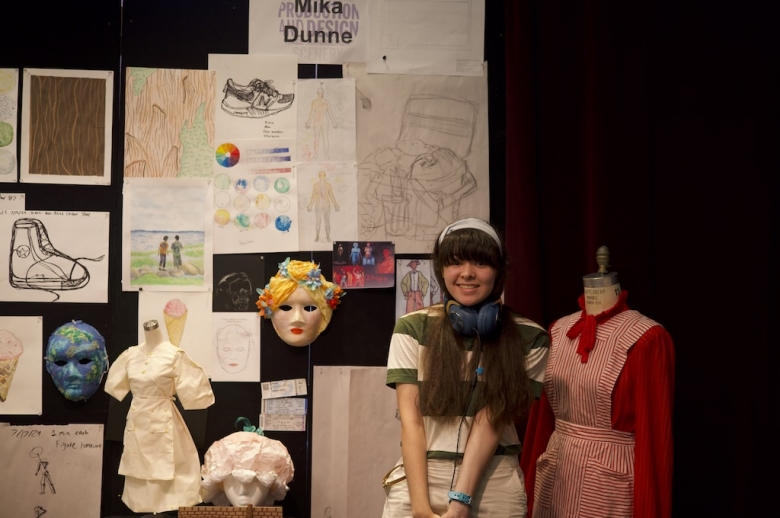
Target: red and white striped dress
(588, 467)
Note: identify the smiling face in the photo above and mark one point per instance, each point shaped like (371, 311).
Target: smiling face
(469, 282)
(297, 321)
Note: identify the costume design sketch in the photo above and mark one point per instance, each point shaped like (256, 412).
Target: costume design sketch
(422, 156)
(256, 100)
(416, 286)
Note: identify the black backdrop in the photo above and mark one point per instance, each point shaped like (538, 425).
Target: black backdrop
(106, 35)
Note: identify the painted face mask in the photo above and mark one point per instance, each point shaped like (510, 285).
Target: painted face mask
(76, 359)
(297, 321)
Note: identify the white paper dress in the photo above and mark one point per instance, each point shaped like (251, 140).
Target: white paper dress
(160, 461)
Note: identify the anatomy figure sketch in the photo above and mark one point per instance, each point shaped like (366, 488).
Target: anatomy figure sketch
(66, 126)
(255, 197)
(51, 470)
(256, 95)
(422, 156)
(326, 120)
(21, 350)
(55, 256)
(169, 123)
(235, 346)
(9, 98)
(327, 200)
(185, 316)
(167, 238)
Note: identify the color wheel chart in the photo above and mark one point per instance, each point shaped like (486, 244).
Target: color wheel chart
(255, 197)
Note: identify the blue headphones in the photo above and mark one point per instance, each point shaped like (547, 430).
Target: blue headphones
(481, 319)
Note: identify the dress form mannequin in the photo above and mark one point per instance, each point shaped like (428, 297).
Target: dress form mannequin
(153, 335)
(599, 443)
(602, 288)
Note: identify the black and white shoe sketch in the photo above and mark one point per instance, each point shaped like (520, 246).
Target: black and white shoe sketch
(36, 265)
(256, 100)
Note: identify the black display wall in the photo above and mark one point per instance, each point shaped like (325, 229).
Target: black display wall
(106, 35)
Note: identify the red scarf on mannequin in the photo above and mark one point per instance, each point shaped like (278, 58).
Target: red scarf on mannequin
(585, 327)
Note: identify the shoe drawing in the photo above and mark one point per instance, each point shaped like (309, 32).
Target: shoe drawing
(36, 265)
(256, 100)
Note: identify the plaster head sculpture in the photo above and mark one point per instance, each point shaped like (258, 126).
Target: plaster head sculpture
(246, 468)
(76, 359)
(299, 301)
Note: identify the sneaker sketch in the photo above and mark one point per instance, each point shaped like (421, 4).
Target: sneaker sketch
(36, 265)
(256, 100)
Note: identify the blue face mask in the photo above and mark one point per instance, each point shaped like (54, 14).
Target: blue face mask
(76, 359)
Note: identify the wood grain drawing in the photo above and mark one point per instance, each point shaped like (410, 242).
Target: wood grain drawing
(169, 123)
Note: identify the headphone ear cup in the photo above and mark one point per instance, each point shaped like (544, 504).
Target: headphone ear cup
(464, 320)
(487, 318)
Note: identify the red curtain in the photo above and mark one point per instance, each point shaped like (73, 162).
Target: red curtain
(652, 129)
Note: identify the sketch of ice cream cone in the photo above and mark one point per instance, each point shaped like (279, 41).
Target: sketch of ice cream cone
(175, 314)
(10, 350)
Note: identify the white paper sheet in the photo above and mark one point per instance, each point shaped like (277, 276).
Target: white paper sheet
(355, 440)
(269, 20)
(325, 219)
(422, 155)
(169, 123)
(197, 324)
(56, 470)
(444, 37)
(9, 99)
(56, 256)
(11, 201)
(235, 347)
(66, 126)
(157, 207)
(255, 95)
(326, 120)
(23, 376)
(255, 197)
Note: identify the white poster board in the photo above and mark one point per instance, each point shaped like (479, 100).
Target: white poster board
(356, 439)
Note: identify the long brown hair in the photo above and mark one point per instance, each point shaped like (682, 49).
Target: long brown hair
(506, 390)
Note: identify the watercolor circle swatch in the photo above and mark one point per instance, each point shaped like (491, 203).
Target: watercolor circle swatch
(262, 201)
(282, 185)
(283, 223)
(227, 155)
(222, 181)
(282, 204)
(242, 203)
(262, 220)
(241, 221)
(241, 186)
(222, 217)
(222, 199)
(261, 183)
(6, 134)
(7, 162)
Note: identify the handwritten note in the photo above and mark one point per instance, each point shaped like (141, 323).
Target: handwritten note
(57, 468)
(9, 201)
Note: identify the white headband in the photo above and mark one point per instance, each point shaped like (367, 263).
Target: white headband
(474, 223)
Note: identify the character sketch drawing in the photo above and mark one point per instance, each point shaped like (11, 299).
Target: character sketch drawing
(234, 346)
(322, 201)
(35, 264)
(256, 100)
(42, 471)
(415, 187)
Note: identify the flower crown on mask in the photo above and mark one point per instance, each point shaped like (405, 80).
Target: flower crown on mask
(304, 274)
